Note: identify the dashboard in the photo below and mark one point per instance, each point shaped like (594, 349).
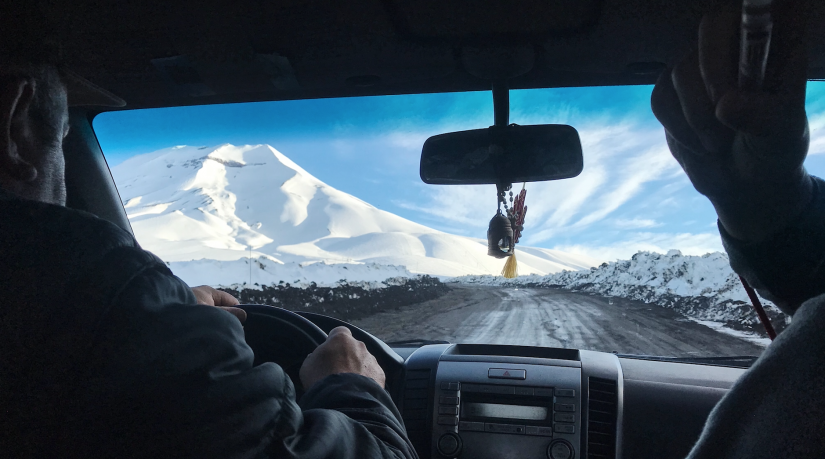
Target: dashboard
(494, 401)
(480, 401)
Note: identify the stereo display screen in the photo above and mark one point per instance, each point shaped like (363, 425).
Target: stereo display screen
(495, 410)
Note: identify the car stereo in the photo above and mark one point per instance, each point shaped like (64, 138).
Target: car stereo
(494, 410)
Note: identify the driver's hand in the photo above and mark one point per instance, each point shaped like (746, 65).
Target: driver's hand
(743, 150)
(212, 297)
(340, 353)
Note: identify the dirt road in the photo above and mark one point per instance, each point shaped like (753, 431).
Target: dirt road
(554, 318)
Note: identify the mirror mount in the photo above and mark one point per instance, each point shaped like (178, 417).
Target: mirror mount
(501, 117)
(501, 103)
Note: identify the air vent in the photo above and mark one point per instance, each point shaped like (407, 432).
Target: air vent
(415, 409)
(601, 419)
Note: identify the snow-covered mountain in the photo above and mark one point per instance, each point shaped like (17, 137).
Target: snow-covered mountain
(216, 204)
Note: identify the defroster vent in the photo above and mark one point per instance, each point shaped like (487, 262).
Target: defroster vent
(602, 411)
(415, 409)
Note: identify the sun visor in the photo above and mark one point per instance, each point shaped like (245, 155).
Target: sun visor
(82, 92)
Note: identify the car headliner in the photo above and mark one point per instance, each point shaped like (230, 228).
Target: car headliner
(181, 52)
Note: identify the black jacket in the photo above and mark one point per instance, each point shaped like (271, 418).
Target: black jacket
(105, 353)
(777, 408)
(789, 267)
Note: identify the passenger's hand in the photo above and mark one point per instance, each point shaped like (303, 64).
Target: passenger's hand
(340, 353)
(212, 297)
(743, 150)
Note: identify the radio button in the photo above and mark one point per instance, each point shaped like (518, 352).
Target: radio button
(543, 431)
(543, 392)
(448, 400)
(452, 410)
(503, 428)
(488, 389)
(567, 407)
(503, 390)
(506, 373)
(446, 385)
(524, 391)
(447, 420)
(471, 426)
(470, 387)
(449, 445)
(565, 417)
(565, 428)
(565, 392)
(449, 393)
(560, 450)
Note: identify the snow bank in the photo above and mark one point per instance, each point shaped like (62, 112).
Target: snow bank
(266, 272)
(702, 288)
(658, 275)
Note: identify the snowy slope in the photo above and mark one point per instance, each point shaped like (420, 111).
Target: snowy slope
(218, 203)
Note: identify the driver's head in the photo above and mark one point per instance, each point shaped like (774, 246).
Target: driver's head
(33, 123)
(36, 90)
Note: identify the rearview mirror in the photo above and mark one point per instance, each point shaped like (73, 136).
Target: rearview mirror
(498, 155)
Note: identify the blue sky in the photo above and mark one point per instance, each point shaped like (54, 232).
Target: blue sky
(631, 196)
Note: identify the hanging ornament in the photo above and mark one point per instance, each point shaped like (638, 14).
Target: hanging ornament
(500, 242)
(505, 229)
(519, 211)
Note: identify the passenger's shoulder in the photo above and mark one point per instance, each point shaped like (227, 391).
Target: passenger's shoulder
(801, 346)
(809, 319)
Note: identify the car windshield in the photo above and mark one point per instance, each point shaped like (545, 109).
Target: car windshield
(317, 205)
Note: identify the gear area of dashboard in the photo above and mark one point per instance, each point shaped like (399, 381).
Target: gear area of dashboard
(491, 401)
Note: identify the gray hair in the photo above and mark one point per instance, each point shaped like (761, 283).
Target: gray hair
(48, 99)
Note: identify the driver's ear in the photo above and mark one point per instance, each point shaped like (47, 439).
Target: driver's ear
(16, 95)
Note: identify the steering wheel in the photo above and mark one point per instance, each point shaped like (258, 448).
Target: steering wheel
(387, 358)
(286, 338)
(281, 336)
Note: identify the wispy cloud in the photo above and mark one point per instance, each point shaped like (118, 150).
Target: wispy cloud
(635, 223)
(409, 140)
(441, 211)
(688, 244)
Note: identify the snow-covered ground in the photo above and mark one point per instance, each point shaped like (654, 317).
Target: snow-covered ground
(703, 288)
(208, 210)
(236, 273)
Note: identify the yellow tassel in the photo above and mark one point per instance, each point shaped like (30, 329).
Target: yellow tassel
(510, 270)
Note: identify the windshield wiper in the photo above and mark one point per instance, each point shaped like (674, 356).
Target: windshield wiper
(416, 342)
(741, 361)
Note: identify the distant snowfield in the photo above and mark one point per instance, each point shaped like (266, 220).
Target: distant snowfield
(208, 210)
